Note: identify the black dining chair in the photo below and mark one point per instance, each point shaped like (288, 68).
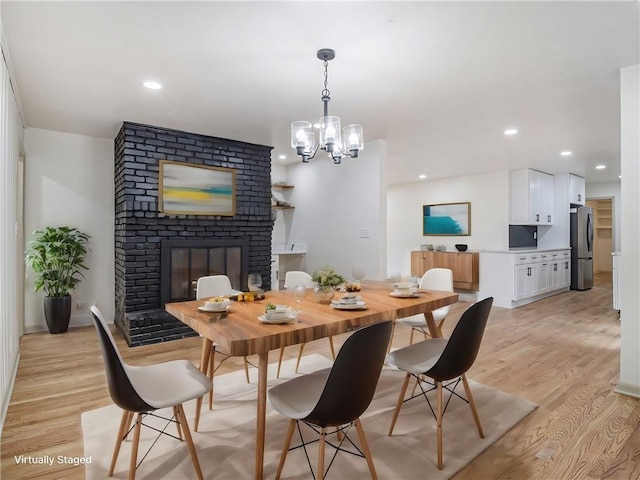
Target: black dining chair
(332, 400)
(142, 390)
(442, 360)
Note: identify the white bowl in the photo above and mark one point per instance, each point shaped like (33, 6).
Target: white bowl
(405, 285)
(209, 305)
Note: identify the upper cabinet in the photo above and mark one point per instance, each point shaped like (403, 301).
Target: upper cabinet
(570, 190)
(532, 198)
(576, 190)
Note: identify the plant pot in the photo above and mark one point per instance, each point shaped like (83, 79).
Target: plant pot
(57, 313)
(324, 294)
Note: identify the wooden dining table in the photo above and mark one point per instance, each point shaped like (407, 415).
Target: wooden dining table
(239, 332)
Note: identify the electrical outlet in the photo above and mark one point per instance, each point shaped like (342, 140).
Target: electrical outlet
(83, 304)
(364, 232)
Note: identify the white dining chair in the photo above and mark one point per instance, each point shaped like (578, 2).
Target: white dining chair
(141, 390)
(216, 286)
(292, 279)
(440, 279)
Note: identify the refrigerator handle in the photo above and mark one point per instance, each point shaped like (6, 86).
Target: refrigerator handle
(589, 234)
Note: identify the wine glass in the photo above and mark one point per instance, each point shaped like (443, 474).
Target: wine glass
(357, 272)
(299, 294)
(254, 281)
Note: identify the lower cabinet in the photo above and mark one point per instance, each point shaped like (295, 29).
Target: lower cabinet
(535, 276)
(464, 265)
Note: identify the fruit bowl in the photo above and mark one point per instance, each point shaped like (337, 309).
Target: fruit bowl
(461, 247)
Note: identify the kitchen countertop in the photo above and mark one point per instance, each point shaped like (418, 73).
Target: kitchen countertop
(527, 250)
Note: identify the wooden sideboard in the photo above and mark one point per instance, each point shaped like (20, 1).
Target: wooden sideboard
(464, 265)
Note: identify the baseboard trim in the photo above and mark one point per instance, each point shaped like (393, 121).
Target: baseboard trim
(7, 394)
(629, 389)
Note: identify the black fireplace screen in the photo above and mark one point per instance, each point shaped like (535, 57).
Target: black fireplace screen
(184, 261)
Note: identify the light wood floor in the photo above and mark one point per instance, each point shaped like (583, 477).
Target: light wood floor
(561, 352)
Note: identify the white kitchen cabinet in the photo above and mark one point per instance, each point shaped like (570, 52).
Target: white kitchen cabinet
(532, 198)
(542, 277)
(535, 274)
(576, 190)
(526, 281)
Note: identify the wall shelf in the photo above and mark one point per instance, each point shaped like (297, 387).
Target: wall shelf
(281, 207)
(281, 186)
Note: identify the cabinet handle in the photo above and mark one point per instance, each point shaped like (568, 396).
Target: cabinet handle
(579, 197)
(549, 218)
(528, 271)
(566, 265)
(537, 217)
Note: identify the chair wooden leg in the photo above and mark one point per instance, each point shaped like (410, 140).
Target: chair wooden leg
(125, 421)
(320, 472)
(440, 325)
(196, 421)
(472, 404)
(175, 415)
(210, 372)
(411, 337)
(333, 351)
(134, 447)
(285, 448)
(189, 440)
(403, 390)
(365, 449)
(299, 356)
(246, 369)
(439, 423)
(280, 361)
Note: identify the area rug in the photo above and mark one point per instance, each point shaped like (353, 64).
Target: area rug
(225, 440)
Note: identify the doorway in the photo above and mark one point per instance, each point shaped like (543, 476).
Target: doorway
(603, 244)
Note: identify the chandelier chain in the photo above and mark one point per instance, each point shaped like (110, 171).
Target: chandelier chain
(325, 92)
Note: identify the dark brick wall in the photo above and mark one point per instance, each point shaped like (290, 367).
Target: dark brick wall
(139, 227)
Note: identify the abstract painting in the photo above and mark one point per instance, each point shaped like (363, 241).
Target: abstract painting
(446, 219)
(186, 189)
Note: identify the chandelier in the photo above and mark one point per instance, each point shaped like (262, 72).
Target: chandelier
(337, 143)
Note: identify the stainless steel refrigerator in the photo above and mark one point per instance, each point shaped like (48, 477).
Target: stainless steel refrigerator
(581, 240)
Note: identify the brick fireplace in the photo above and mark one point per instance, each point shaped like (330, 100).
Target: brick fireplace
(141, 231)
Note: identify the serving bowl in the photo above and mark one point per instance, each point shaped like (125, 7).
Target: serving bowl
(461, 247)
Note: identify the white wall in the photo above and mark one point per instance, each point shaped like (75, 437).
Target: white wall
(596, 191)
(69, 181)
(333, 203)
(630, 313)
(489, 197)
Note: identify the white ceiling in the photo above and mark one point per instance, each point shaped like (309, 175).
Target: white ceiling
(440, 81)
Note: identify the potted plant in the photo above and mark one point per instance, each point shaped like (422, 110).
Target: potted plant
(56, 255)
(327, 279)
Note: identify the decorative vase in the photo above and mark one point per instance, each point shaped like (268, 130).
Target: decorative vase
(323, 294)
(57, 313)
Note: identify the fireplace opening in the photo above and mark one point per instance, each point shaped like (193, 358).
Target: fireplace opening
(182, 262)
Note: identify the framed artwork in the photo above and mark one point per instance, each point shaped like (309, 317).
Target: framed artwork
(186, 189)
(446, 219)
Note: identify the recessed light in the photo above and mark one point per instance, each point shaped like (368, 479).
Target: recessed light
(566, 153)
(600, 167)
(422, 177)
(282, 157)
(510, 131)
(150, 84)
